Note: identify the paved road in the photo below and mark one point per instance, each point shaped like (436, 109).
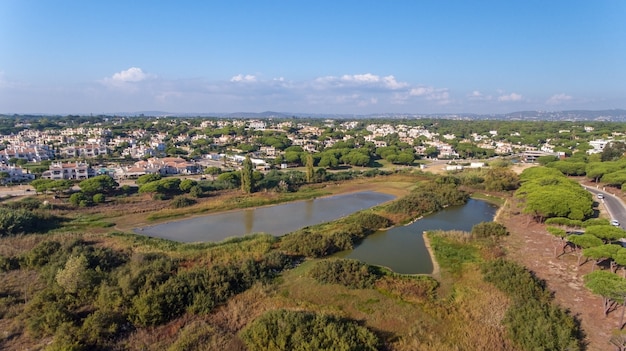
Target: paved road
(614, 205)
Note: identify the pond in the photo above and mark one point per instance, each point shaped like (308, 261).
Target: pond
(402, 249)
(276, 220)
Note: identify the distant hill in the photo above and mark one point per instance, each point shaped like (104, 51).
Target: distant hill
(615, 115)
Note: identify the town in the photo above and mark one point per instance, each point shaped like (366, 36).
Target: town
(128, 147)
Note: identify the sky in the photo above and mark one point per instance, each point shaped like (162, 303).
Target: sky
(336, 57)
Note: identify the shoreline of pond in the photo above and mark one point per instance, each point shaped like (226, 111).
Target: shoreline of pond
(148, 229)
(334, 190)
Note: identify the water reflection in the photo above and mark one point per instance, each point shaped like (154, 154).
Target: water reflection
(402, 249)
(276, 220)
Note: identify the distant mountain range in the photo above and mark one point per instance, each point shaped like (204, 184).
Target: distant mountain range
(615, 115)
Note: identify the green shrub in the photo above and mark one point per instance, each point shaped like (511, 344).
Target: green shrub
(159, 196)
(533, 322)
(306, 243)
(350, 273)
(147, 178)
(370, 221)
(196, 191)
(289, 330)
(429, 197)
(8, 263)
(182, 201)
(98, 198)
(566, 222)
(20, 221)
(488, 229)
(80, 199)
(28, 203)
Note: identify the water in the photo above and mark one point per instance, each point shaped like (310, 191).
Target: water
(276, 220)
(402, 249)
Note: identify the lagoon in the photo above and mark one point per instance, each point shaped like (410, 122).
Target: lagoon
(402, 249)
(276, 220)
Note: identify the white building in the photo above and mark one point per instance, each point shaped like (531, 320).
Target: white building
(15, 174)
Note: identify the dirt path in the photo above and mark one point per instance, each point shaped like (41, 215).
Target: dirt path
(529, 244)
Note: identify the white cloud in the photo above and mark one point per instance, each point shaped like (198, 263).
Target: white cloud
(439, 95)
(133, 74)
(127, 80)
(361, 80)
(248, 78)
(421, 91)
(510, 97)
(558, 99)
(478, 96)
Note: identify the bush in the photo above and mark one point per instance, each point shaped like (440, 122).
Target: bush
(98, 198)
(80, 199)
(488, 229)
(533, 322)
(182, 201)
(197, 290)
(8, 263)
(370, 221)
(127, 189)
(147, 178)
(306, 243)
(29, 203)
(196, 191)
(160, 197)
(566, 222)
(428, 198)
(350, 273)
(22, 221)
(290, 330)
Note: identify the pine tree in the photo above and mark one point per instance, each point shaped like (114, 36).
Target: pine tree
(246, 176)
(309, 168)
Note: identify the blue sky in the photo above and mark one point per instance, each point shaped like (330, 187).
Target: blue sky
(347, 57)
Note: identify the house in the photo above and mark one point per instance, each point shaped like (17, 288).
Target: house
(531, 156)
(76, 170)
(15, 174)
(598, 146)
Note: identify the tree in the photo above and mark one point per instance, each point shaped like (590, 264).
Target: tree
(147, 178)
(99, 184)
(601, 253)
(559, 235)
(405, 158)
(213, 171)
(582, 242)
(328, 161)
(613, 151)
(247, 182)
(607, 233)
(187, 184)
(309, 168)
(610, 287)
(4, 176)
(74, 276)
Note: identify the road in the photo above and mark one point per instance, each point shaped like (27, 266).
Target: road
(614, 205)
(16, 190)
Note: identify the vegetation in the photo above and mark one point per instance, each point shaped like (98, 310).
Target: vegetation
(91, 288)
(284, 330)
(488, 229)
(547, 193)
(533, 322)
(350, 273)
(23, 221)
